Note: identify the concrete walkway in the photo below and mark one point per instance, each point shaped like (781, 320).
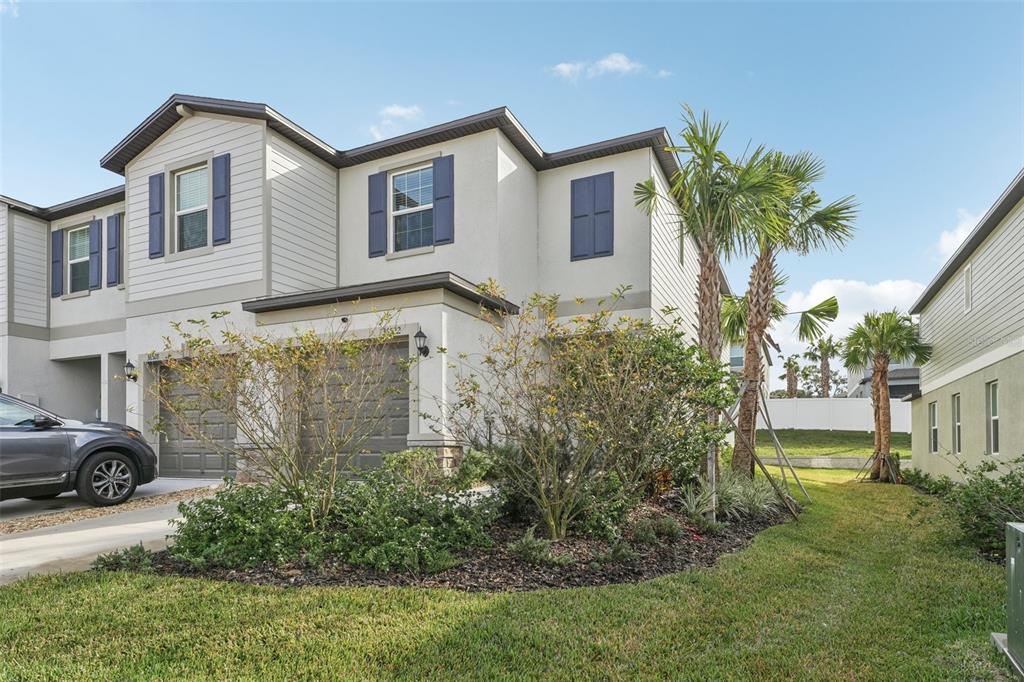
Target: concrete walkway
(14, 509)
(73, 546)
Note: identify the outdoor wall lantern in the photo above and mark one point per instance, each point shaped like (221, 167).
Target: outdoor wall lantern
(129, 372)
(421, 343)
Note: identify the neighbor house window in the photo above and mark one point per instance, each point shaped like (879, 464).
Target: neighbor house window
(968, 288)
(992, 412)
(412, 208)
(957, 443)
(78, 259)
(191, 199)
(933, 427)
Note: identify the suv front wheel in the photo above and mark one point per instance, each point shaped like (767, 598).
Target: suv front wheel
(106, 479)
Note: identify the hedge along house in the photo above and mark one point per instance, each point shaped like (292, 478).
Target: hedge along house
(971, 404)
(229, 205)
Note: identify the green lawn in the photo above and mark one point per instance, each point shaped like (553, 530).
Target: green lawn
(805, 443)
(857, 589)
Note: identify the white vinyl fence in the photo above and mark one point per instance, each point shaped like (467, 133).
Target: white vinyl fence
(832, 414)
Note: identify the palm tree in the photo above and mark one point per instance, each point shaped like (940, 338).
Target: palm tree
(792, 367)
(822, 351)
(880, 339)
(718, 201)
(801, 224)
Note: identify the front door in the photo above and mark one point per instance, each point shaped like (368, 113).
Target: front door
(30, 455)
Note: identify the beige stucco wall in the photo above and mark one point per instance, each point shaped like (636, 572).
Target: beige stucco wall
(1010, 375)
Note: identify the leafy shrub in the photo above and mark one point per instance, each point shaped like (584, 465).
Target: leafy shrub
(136, 558)
(537, 551)
(619, 552)
(695, 502)
(407, 516)
(388, 522)
(927, 483)
(605, 508)
(241, 526)
(656, 531)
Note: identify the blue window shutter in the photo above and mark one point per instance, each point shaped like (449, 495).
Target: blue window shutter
(114, 250)
(592, 228)
(222, 199)
(56, 263)
(378, 214)
(604, 224)
(95, 254)
(156, 215)
(444, 200)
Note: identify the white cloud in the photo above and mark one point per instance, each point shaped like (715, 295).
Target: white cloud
(9, 8)
(950, 240)
(393, 118)
(855, 297)
(612, 64)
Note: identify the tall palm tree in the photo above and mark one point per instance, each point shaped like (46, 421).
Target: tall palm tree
(801, 224)
(822, 351)
(876, 341)
(792, 367)
(718, 201)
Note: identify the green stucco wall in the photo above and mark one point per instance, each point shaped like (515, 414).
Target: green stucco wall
(1010, 375)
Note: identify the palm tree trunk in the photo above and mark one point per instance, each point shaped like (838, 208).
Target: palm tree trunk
(709, 326)
(876, 462)
(760, 291)
(790, 382)
(886, 473)
(826, 377)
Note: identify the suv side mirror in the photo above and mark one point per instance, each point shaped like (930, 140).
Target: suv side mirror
(41, 421)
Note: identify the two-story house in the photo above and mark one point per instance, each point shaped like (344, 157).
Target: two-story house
(970, 407)
(229, 205)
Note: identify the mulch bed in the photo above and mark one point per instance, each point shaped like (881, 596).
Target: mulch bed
(497, 569)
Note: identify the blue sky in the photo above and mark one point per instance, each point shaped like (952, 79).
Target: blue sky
(916, 108)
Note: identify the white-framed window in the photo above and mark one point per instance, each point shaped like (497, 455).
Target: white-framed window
(992, 417)
(968, 289)
(191, 208)
(933, 427)
(412, 208)
(957, 433)
(78, 259)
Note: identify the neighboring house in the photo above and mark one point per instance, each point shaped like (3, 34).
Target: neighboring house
(971, 404)
(904, 380)
(228, 205)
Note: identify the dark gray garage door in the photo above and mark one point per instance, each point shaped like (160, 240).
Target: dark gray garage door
(182, 455)
(390, 433)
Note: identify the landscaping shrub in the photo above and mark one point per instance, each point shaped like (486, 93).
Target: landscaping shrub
(990, 496)
(537, 551)
(619, 552)
(656, 531)
(407, 516)
(136, 558)
(241, 526)
(586, 412)
(741, 498)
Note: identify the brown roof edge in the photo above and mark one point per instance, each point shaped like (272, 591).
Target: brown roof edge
(79, 205)
(1010, 197)
(404, 285)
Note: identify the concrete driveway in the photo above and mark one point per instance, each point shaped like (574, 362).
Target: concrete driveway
(73, 546)
(14, 509)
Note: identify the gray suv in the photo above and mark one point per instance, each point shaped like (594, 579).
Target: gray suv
(43, 455)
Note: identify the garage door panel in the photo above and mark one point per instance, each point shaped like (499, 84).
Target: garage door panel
(183, 455)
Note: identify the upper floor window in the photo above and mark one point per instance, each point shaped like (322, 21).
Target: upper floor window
(412, 208)
(78, 259)
(957, 433)
(992, 417)
(191, 204)
(933, 427)
(736, 356)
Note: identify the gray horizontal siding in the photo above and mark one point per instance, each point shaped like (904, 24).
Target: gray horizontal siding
(997, 313)
(31, 268)
(234, 263)
(304, 219)
(3, 263)
(674, 268)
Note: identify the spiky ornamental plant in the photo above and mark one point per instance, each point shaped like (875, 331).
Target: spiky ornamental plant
(822, 351)
(718, 202)
(879, 339)
(801, 223)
